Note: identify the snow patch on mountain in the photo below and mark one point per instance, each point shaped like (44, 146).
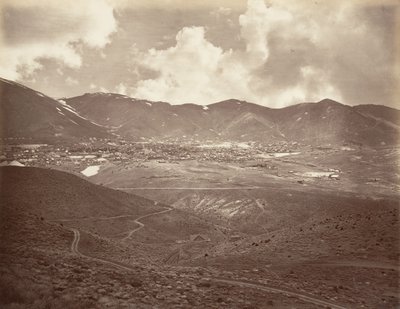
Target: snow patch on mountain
(72, 110)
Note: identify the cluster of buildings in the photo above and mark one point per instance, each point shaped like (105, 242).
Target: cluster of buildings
(97, 152)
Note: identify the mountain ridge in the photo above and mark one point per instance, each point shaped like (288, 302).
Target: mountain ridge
(323, 122)
(30, 114)
(99, 114)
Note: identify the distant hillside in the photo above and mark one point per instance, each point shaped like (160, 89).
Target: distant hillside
(26, 113)
(331, 122)
(30, 114)
(390, 116)
(324, 122)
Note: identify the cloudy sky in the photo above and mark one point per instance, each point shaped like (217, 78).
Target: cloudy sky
(273, 53)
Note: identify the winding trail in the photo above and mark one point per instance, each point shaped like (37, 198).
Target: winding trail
(141, 225)
(252, 285)
(188, 188)
(75, 250)
(75, 242)
(362, 264)
(92, 218)
(307, 298)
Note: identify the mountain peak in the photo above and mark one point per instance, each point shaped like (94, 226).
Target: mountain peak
(329, 101)
(35, 116)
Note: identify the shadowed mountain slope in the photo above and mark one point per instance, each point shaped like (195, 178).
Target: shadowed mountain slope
(26, 113)
(29, 114)
(325, 122)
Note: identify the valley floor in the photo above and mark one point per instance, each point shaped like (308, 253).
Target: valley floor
(205, 234)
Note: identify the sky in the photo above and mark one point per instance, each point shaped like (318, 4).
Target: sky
(273, 53)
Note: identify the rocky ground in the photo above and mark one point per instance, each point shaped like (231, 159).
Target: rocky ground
(40, 268)
(353, 265)
(38, 271)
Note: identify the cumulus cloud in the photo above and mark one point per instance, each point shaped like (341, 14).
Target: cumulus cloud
(221, 12)
(195, 70)
(35, 30)
(269, 52)
(71, 81)
(121, 89)
(184, 71)
(292, 52)
(257, 23)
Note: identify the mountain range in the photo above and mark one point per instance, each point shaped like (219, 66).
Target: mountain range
(28, 113)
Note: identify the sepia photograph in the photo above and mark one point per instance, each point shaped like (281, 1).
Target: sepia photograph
(226, 154)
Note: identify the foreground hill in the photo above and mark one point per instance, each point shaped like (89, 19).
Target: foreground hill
(43, 264)
(66, 196)
(324, 122)
(75, 202)
(37, 267)
(26, 113)
(353, 253)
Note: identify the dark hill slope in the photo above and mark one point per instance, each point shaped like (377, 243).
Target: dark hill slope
(59, 195)
(331, 122)
(75, 202)
(136, 118)
(38, 268)
(324, 122)
(26, 113)
(390, 116)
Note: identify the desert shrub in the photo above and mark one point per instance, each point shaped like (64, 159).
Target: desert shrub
(205, 284)
(135, 282)
(62, 303)
(9, 292)
(17, 293)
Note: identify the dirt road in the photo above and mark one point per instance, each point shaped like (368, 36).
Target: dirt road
(363, 264)
(92, 218)
(75, 250)
(251, 285)
(186, 188)
(307, 298)
(141, 225)
(75, 242)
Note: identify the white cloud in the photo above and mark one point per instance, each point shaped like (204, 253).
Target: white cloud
(282, 53)
(91, 22)
(293, 52)
(257, 23)
(184, 69)
(195, 70)
(105, 90)
(60, 71)
(71, 81)
(220, 12)
(121, 89)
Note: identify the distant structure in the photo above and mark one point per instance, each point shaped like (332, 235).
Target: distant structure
(199, 237)
(12, 163)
